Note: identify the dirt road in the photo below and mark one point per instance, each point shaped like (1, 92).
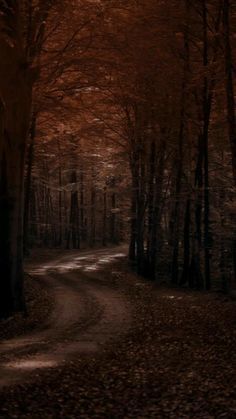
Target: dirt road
(87, 313)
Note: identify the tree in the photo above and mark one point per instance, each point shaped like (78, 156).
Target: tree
(229, 71)
(21, 36)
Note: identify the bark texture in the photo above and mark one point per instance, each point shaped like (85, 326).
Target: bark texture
(15, 99)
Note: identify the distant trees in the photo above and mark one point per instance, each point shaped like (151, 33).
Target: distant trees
(154, 83)
(74, 201)
(169, 86)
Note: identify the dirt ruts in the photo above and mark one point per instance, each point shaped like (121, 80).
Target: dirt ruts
(87, 313)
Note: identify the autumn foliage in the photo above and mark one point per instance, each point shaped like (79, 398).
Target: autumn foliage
(117, 123)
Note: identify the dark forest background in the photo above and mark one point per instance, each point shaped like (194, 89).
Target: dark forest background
(117, 124)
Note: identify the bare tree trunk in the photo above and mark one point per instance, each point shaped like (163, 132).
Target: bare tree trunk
(15, 108)
(82, 220)
(28, 183)
(179, 174)
(195, 269)
(151, 213)
(133, 223)
(74, 222)
(155, 240)
(113, 236)
(180, 162)
(229, 83)
(207, 97)
(92, 217)
(186, 266)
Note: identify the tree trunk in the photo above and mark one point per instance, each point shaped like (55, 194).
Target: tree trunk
(180, 158)
(133, 223)
(15, 108)
(229, 83)
(155, 244)
(207, 97)
(28, 183)
(179, 174)
(74, 222)
(113, 236)
(185, 274)
(92, 238)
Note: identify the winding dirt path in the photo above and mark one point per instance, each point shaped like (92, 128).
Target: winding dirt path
(87, 314)
(176, 361)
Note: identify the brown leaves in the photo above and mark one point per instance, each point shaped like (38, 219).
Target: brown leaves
(177, 361)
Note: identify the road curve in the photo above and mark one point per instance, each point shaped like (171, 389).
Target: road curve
(88, 312)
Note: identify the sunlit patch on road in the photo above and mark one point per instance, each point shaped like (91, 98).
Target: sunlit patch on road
(20, 343)
(91, 268)
(31, 364)
(83, 263)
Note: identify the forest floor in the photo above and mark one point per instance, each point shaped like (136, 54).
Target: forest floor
(100, 342)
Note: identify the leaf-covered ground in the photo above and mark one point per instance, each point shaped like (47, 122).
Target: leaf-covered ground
(177, 360)
(39, 305)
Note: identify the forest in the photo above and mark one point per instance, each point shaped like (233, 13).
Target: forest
(117, 208)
